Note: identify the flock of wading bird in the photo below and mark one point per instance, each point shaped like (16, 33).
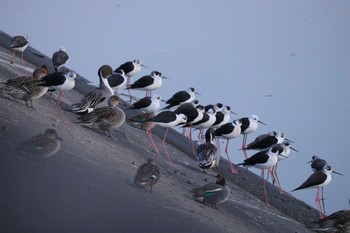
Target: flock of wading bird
(99, 108)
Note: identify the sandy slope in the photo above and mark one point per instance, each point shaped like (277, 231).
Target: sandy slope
(88, 185)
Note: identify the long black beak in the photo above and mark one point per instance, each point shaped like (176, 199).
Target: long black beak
(338, 173)
(288, 140)
(144, 66)
(165, 77)
(233, 113)
(309, 161)
(261, 122)
(197, 93)
(283, 156)
(295, 150)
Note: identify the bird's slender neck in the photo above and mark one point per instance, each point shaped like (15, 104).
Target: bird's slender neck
(209, 138)
(104, 85)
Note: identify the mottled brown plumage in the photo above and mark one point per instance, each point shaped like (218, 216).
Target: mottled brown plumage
(42, 145)
(25, 88)
(148, 174)
(106, 118)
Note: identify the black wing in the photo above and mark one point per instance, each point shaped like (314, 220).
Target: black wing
(142, 82)
(53, 79)
(224, 129)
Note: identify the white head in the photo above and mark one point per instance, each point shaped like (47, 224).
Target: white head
(254, 118)
(71, 75)
(226, 109)
(327, 169)
(137, 61)
(156, 97)
(182, 118)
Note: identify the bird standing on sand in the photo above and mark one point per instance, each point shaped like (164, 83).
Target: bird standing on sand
(147, 174)
(194, 113)
(149, 105)
(263, 160)
(59, 81)
(98, 97)
(167, 119)
(317, 180)
(106, 118)
(213, 194)
(42, 145)
(229, 131)
(59, 58)
(25, 88)
(317, 164)
(283, 149)
(207, 153)
(18, 43)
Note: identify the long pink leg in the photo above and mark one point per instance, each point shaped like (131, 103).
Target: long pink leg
(148, 131)
(244, 145)
(217, 141)
(274, 172)
(192, 142)
(24, 70)
(318, 203)
(322, 198)
(200, 136)
(14, 62)
(263, 180)
(228, 158)
(166, 151)
(148, 93)
(59, 105)
(275, 179)
(128, 85)
(184, 132)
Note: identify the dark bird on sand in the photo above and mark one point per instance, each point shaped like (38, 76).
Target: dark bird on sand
(42, 145)
(25, 88)
(106, 118)
(147, 174)
(207, 153)
(338, 222)
(99, 96)
(213, 194)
